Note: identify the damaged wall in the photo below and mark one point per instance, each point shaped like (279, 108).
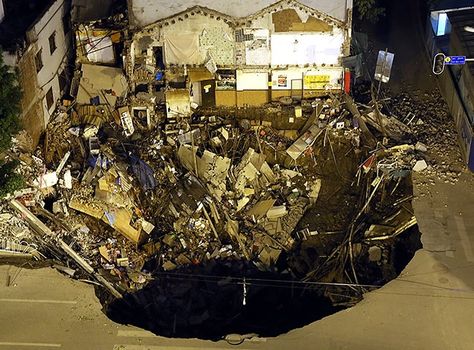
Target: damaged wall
(144, 12)
(96, 80)
(204, 34)
(284, 35)
(191, 40)
(96, 45)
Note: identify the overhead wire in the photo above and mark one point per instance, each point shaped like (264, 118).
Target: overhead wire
(257, 281)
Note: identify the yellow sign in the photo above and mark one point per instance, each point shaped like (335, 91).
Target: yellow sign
(316, 82)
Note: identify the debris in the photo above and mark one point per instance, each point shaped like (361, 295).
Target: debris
(421, 147)
(63, 162)
(154, 179)
(375, 254)
(126, 120)
(47, 180)
(277, 212)
(67, 179)
(38, 226)
(420, 165)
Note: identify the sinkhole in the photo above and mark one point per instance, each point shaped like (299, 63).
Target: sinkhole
(220, 298)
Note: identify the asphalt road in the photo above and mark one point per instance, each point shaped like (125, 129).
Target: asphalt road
(41, 309)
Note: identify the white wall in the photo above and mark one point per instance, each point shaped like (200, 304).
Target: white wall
(325, 78)
(52, 63)
(303, 48)
(248, 80)
(149, 11)
(290, 74)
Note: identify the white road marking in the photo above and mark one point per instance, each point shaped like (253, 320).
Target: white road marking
(41, 345)
(466, 243)
(135, 334)
(44, 301)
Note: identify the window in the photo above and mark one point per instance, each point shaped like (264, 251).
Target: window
(52, 43)
(39, 61)
(63, 80)
(49, 98)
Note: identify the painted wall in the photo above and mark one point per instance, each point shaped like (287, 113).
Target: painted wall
(251, 80)
(251, 98)
(53, 63)
(144, 12)
(304, 48)
(192, 37)
(210, 37)
(226, 98)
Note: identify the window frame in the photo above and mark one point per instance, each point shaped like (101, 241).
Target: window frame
(39, 60)
(49, 98)
(52, 43)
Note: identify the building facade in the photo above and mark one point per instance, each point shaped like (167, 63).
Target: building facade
(246, 55)
(41, 56)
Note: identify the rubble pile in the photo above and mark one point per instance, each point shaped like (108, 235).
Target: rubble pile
(433, 127)
(211, 188)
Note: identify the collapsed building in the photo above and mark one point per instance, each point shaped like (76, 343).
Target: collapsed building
(206, 139)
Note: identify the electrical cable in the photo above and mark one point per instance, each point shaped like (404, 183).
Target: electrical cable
(259, 281)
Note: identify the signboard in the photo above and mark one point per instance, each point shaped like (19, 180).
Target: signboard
(454, 60)
(282, 80)
(316, 82)
(384, 66)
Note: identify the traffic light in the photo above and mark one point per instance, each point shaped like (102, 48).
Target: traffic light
(438, 63)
